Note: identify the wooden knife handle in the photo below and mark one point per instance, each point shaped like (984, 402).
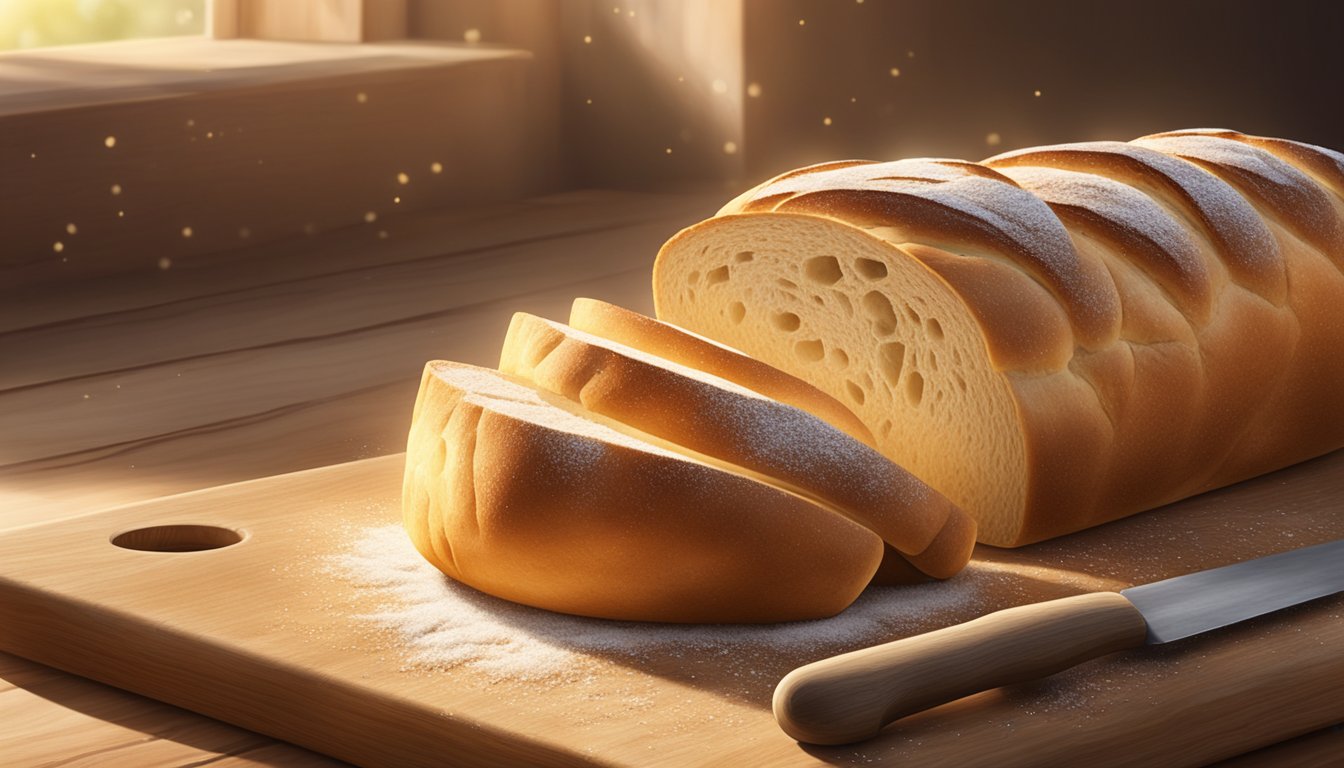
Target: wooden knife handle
(851, 697)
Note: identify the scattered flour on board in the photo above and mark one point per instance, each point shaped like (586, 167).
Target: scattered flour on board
(440, 623)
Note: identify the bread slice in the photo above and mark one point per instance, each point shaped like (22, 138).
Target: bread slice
(695, 351)
(526, 496)
(745, 431)
(1058, 336)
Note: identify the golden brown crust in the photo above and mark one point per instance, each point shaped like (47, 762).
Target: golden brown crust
(681, 346)
(505, 496)
(710, 416)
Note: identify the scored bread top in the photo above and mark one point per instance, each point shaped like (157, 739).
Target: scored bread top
(1141, 195)
(694, 351)
(717, 418)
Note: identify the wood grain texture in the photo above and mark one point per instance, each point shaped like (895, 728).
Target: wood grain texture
(282, 655)
(245, 309)
(285, 358)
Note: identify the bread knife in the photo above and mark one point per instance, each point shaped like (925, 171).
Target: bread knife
(851, 697)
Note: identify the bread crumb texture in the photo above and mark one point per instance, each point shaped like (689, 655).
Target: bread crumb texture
(1053, 337)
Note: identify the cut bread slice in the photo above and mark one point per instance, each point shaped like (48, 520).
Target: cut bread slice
(747, 432)
(695, 351)
(524, 495)
(913, 362)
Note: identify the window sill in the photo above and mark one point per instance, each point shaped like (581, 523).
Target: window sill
(44, 79)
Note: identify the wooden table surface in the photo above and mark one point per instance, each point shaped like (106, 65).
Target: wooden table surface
(278, 358)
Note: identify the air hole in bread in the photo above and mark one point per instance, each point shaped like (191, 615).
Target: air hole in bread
(785, 321)
(870, 269)
(787, 284)
(736, 311)
(866, 380)
(914, 387)
(855, 392)
(838, 358)
(820, 302)
(933, 360)
(891, 358)
(879, 310)
(885, 429)
(824, 270)
(961, 383)
(934, 329)
(717, 275)
(743, 257)
(693, 278)
(690, 294)
(810, 350)
(911, 313)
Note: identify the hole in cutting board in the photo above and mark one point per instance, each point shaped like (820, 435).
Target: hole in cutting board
(177, 538)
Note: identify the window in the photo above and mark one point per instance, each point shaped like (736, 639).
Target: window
(40, 23)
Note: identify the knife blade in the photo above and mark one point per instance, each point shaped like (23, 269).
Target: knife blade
(853, 696)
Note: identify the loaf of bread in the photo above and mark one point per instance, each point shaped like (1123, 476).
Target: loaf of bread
(1053, 337)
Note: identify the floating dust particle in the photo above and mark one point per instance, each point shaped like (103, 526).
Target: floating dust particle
(993, 139)
(909, 54)
(121, 214)
(719, 86)
(165, 262)
(895, 71)
(825, 121)
(191, 123)
(187, 232)
(730, 148)
(437, 623)
(244, 233)
(382, 234)
(362, 97)
(472, 35)
(754, 90)
(667, 150)
(587, 39)
(58, 246)
(86, 396)
(802, 22)
(71, 229)
(110, 142)
(370, 217)
(589, 101)
(116, 189)
(402, 178)
(1036, 93)
(396, 201)
(436, 167)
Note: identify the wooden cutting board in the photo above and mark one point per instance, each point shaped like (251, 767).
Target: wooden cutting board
(263, 635)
